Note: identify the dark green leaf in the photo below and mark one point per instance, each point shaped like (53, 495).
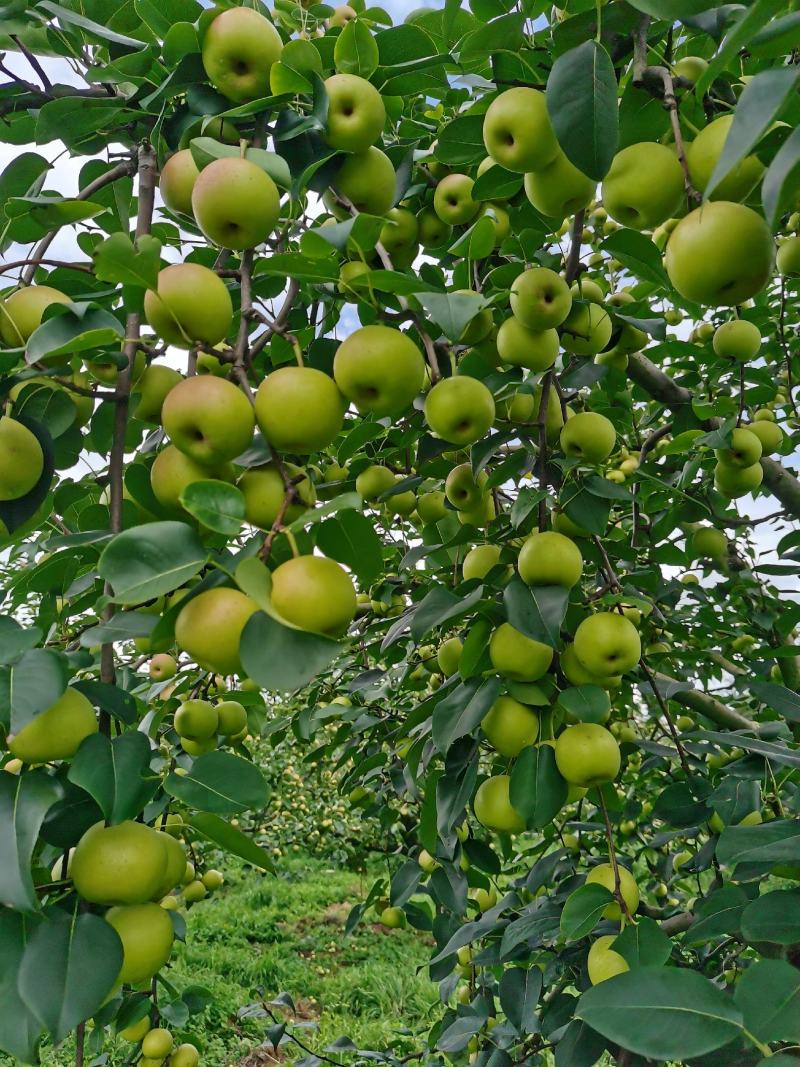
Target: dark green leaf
(281, 657)
(744, 29)
(759, 105)
(643, 944)
(24, 801)
(768, 995)
(717, 915)
(537, 790)
(520, 989)
(73, 328)
(637, 252)
(216, 505)
(147, 561)
(37, 680)
(220, 783)
(582, 102)
(232, 840)
(69, 968)
(773, 917)
(583, 910)
(587, 703)
(452, 311)
(536, 612)
(662, 1013)
(115, 773)
(19, 1029)
(351, 539)
(782, 178)
(771, 842)
(14, 640)
(439, 606)
(461, 141)
(462, 710)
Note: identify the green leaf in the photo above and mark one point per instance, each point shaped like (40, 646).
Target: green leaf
(583, 910)
(582, 102)
(73, 328)
(536, 612)
(351, 539)
(717, 915)
(282, 658)
(52, 212)
(758, 107)
(519, 992)
(782, 178)
(477, 242)
(502, 34)
(537, 790)
(638, 253)
(673, 10)
(768, 995)
(587, 703)
(37, 680)
(785, 701)
(743, 30)
(662, 1013)
(25, 799)
(643, 944)
(496, 183)
(232, 840)
(356, 51)
(114, 773)
(462, 710)
(14, 640)
(773, 917)
(76, 119)
(461, 141)
(217, 505)
(147, 561)
(452, 311)
(439, 606)
(117, 260)
(220, 783)
(69, 968)
(205, 150)
(19, 1029)
(93, 30)
(160, 15)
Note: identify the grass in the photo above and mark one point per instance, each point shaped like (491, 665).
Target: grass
(286, 934)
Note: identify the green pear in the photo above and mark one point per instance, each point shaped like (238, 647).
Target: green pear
(314, 594)
(21, 459)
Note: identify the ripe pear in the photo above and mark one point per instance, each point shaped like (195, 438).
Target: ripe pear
(314, 594)
(22, 312)
(239, 48)
(603, 962)
(122, 864)
(379, 369)
(460, 410)
(236, 203)
(209, 628)
(431, 506)
(517, 130)
(607, 643)
(367, 179)
(493, 808)
(540, 298)
(559, 189)
(299, 409)
(176, 181)
(644, 186)
(587, 754)
(146, 933)
(191, 304)
(356, 113)
(550, 558)
(510, 726)
(603, 875)
(172, 472)
(57, 732)
(452, 200)
(448, 655)
(153, 387)
(21, 459)
(519, 346)
(518, 657)
(737, 339)
(264, 493)
(185, 1055)
(588, 436)
(720, 254)
(162, 667)
(209, 419)
(703, 154)
(480, 560)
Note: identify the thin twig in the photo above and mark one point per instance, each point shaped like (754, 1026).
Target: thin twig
(666, 713)
(124, 169)
(47, 85)
(612, 855)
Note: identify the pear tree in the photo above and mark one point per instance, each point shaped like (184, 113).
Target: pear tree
(424, 384)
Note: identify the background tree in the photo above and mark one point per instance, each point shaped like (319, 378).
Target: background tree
(439, 376)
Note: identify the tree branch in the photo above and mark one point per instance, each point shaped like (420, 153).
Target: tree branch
(124, 169)
(147, 170)
(783, 485)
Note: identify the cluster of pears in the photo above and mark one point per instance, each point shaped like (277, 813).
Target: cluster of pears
(129, 869)
(198, 723)
(157, 1046)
